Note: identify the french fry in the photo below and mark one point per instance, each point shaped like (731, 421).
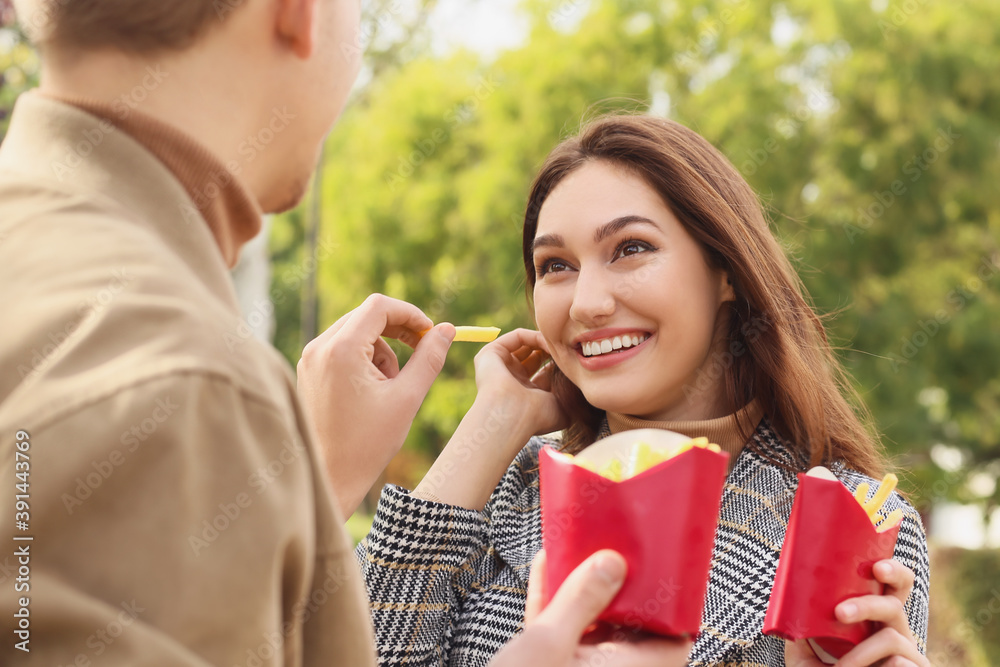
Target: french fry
(861, 494)
(467, 334)
(873, 507)
(476, 334)
(641, 457)
(885, 488)
(894, 517)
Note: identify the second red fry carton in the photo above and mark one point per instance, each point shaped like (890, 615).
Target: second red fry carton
(830, 548)
(662, 520)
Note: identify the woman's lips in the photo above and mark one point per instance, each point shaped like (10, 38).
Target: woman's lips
(609, 359)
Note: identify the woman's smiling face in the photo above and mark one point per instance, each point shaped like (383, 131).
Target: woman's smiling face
(624, 298)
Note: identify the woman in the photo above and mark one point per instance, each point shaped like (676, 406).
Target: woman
(664, 301)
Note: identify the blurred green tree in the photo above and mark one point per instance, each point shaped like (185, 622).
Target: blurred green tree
(870, 130)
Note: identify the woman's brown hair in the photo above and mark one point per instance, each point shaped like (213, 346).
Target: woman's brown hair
(776, 350)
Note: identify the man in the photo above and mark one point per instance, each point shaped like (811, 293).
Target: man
(178, 504)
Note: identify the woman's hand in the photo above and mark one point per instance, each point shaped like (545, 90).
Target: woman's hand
(893, 643)
(553, 635)
(360, 402)
(510, 371)
(512, 404)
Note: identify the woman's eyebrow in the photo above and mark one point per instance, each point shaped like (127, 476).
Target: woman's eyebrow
(618, 224)
(601, 233)
(547, 241)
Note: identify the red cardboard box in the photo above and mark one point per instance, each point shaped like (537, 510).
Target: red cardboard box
(830, 548)
(662, 521)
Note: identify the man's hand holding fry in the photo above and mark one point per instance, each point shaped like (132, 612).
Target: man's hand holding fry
(361, 403)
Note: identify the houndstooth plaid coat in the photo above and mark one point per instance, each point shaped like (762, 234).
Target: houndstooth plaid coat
(447, 585)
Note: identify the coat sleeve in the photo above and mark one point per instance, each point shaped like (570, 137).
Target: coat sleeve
(911, 551)
(419, 561)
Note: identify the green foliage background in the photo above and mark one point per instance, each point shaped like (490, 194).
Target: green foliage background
(871, 133)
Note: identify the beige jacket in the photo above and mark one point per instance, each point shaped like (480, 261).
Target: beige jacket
(176, 502)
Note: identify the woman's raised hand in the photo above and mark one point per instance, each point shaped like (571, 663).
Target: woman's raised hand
(512, 404)
(512, 371)
(891, 646)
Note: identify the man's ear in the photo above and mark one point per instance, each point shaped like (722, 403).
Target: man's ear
(296, 25)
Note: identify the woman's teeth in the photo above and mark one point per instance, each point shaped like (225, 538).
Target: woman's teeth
(594, 348)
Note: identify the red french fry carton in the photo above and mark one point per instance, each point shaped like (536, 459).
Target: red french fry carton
(830, 548)
(662, 521)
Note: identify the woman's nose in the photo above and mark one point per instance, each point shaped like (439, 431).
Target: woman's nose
(593, 298)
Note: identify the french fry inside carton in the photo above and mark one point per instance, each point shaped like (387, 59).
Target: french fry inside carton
(830, 547)
(651, 495)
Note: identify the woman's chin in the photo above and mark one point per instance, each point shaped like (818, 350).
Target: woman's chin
(610, 401)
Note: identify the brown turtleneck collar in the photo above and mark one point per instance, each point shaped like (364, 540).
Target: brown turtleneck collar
(232, 213)
(724, 431)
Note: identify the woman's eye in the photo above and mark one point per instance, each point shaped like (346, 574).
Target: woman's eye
(550, 266)
(631, 247)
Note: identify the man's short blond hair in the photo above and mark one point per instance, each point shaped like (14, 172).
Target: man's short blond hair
(131, 25)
